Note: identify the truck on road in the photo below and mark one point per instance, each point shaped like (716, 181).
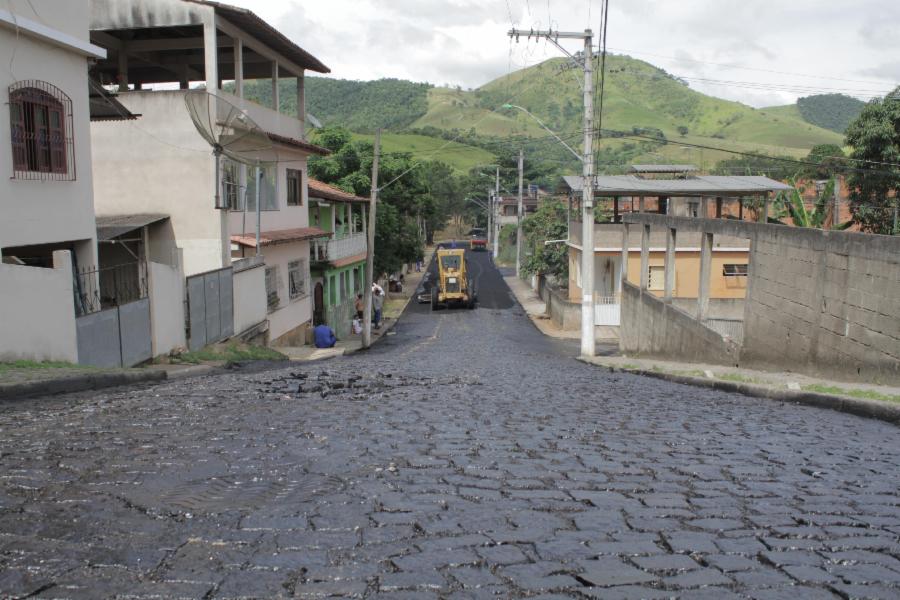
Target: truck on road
(453, 287)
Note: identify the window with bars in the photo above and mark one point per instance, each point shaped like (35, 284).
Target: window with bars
(294, 187)
(734, 270)
(41, 131)
(231, 185)
(297, 278)
(272, 297)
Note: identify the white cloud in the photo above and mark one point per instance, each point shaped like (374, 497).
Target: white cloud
(464, 42)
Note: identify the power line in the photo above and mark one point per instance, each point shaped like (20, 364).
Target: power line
(733, 66)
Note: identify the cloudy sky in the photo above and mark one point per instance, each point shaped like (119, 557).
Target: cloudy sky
(760, 52)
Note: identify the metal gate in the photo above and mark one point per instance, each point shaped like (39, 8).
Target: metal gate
(607, 311)
(210, 310)
(115, 337)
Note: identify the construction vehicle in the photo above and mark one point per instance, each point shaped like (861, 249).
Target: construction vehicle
(453, 286)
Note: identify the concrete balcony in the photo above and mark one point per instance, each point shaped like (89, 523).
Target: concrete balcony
(269, 120)
(331, 251)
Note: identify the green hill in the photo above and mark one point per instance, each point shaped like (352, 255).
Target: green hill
(458, 156)
(357, 105)
(639, 98)
(831, 111)
(641, 95)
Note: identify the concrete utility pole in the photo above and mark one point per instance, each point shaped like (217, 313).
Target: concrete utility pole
(519, 216)
(490, 211)
(495, 208)
(588, 344)
(370, 247)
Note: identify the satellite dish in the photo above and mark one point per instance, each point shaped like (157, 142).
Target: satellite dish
(230, 132)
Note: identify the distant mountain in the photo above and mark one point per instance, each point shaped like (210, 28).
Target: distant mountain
(829, 111)
(639, 98)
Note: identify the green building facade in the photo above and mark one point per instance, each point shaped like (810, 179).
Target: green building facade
(337, 263)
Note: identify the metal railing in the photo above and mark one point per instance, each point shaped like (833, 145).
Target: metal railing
(97, 288)
(728, 328)
(331, 250)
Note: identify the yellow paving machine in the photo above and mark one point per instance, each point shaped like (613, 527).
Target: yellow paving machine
(453, 286)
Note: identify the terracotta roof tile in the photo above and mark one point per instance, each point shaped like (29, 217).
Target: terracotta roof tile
(317, 189)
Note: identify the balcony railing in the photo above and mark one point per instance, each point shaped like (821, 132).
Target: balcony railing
(343, 247)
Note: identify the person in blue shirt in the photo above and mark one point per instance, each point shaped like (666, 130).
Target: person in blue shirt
(325, 337)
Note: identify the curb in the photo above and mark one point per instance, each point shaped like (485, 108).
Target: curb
(79, 383)
(871, 409)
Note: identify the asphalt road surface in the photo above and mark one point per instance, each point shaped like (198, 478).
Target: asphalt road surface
(465, 456)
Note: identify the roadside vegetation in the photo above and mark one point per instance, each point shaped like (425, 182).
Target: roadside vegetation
(231, 352)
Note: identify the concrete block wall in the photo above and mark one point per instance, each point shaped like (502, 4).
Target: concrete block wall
(38, 321)
(653, 328)
(824, 303)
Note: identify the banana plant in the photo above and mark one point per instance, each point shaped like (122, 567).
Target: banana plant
(790, 205)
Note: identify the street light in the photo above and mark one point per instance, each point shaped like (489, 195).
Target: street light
(588, 343)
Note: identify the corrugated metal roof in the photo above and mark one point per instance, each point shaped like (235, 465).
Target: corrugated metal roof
(280, 236)
(663, 168)
(111, 226)
(704, 185)
(104, 106)
(255, 26)
(288, 141)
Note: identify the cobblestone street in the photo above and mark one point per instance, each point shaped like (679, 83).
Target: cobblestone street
(466, 456)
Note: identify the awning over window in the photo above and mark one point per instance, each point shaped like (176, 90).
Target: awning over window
(280, 236)
(113, 226)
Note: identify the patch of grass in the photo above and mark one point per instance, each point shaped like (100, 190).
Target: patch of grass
(852, 392)
(33, 364)
(228, 353)
(737, 377)
(629, 367)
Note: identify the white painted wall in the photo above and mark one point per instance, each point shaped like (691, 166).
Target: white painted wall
(166, 308)
(42, 212)
(291, 313)
(39, 313)
(160, 164)
(249, 298)
(286, 217)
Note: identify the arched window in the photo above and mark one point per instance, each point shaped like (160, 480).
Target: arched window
(41, 128)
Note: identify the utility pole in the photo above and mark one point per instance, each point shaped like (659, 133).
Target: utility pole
(370, 247)
(490, 227)
(519, 216)
(588, 344)
(496, 207)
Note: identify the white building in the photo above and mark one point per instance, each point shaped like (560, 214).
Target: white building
(159, 51)
(46, 189)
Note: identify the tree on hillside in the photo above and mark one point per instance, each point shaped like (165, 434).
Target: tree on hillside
(828, 160)
(401, 204)
(875, 138)
(547, 223)
(831, 111)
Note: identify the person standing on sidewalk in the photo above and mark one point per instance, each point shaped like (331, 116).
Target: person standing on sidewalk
(377, 304)
(360, 306)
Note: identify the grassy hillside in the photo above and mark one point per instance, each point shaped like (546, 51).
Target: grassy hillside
(641, 95)
(357, 105)
(458, 156)
(639, 98)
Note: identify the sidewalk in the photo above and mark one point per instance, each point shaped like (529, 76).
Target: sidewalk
(868, 400)
(535, 308)
(45, 380)
(394, 305)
